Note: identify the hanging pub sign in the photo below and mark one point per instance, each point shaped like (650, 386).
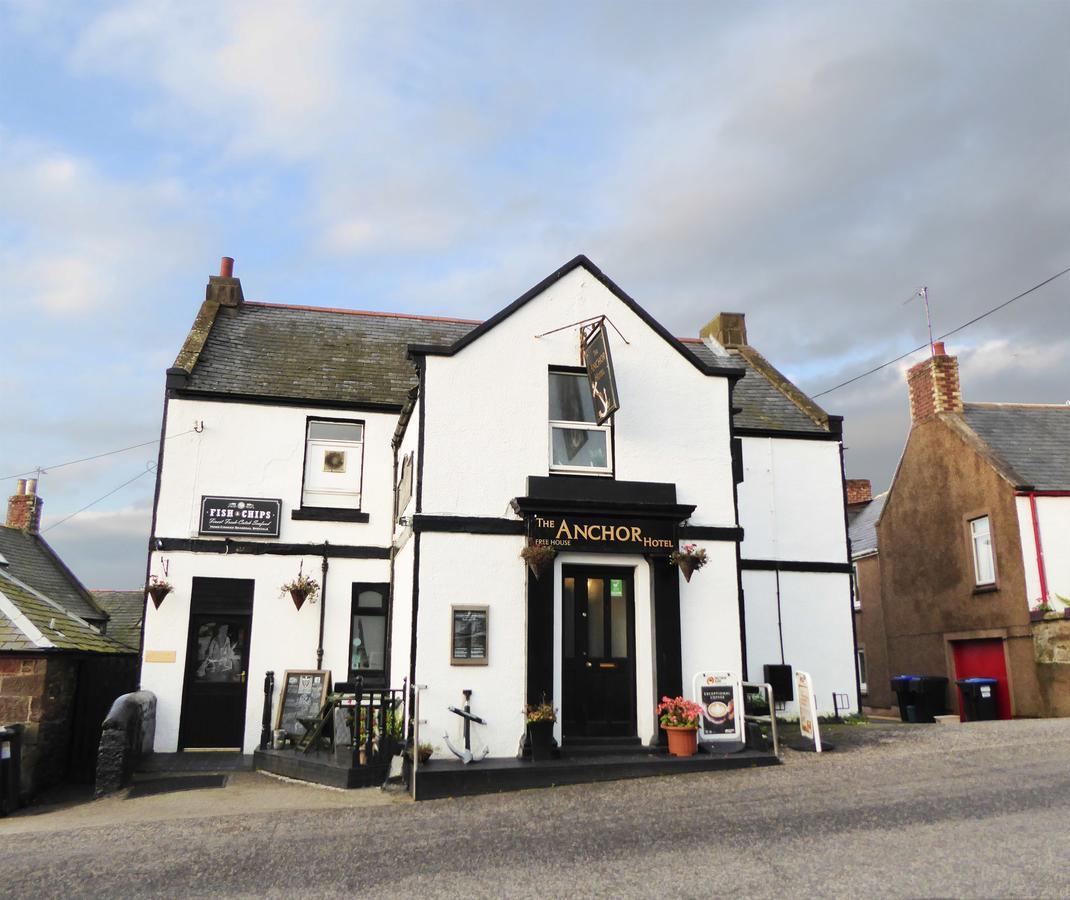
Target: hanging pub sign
(720, 695)
(250, 516)
(599, 365)
(603, 534)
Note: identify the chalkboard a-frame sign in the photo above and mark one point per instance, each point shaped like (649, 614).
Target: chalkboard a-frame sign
(303, 694)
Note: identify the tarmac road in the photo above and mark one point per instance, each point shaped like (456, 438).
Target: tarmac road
(979, 810)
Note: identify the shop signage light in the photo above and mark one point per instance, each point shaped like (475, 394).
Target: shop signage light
(600, 377)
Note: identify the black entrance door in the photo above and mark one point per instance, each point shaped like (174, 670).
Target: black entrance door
(598, 653)
(217, 664)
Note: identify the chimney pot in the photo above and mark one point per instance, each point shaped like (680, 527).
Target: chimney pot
(226, 267)
(31, 487)
(20, 487)
(938, 349)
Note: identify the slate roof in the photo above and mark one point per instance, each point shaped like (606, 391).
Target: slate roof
(34, 562)
(125, 611)
(298, 352)
(862, 525)
(262, 349)
(30, 621)
(1031, 442)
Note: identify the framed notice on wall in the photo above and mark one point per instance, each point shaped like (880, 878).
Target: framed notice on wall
(468, 637)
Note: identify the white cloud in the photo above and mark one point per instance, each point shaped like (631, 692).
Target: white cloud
(104, 549)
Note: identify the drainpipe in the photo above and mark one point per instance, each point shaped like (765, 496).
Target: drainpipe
(1039, 547)
(323, 606)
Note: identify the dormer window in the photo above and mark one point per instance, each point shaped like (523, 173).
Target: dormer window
(577, 444)
(334, 460)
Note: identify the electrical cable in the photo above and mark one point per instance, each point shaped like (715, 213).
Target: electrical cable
(151, 467)
(47, 469)
(956, 330)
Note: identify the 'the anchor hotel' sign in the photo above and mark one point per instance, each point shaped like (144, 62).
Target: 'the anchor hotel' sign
(603, 534)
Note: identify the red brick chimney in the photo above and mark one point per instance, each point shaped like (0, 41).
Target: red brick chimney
(24, 508)
(859, 490)
(934, 385)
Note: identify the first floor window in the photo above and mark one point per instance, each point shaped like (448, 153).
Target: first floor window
(984, 566)
(577, 443)
(368, 639)
(334, 460)
(862, 669)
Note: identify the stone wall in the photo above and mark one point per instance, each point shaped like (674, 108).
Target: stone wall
(1051, 648)
(38, 691)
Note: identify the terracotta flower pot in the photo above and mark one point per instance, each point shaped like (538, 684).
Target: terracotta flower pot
(299, 598)
(682, 741)
(157, 593)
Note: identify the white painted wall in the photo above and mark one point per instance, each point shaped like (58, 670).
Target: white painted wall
(257, 450)
(483, 570)
(487, 408)
(815, 613)
(791, 500)
(283, 637)
(1053, 517)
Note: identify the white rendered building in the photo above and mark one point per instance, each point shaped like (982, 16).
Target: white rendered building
(418, 456)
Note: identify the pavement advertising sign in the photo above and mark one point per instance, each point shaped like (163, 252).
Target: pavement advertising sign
(253, 516)
(720, 695)
(804, 690)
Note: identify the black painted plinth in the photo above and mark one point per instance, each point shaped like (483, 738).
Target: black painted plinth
(451, 778)
(320, 768)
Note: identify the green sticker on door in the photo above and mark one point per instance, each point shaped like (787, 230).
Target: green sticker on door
(616, 587)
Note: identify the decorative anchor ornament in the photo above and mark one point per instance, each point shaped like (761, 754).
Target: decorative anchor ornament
(466, 756)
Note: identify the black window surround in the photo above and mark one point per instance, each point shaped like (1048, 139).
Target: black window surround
(372, 677)
(331, 513)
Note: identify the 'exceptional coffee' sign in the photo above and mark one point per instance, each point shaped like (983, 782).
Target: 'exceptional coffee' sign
(240, 515)
(604, 535)
(600, 378)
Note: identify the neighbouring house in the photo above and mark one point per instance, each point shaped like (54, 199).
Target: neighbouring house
(126, 612)
(406, 461)
(59, 669)
(874, 680)
(974, 537)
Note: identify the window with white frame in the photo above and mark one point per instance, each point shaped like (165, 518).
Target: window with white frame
(984, 566)
(577, 443)
(862, 669)
(334, 460)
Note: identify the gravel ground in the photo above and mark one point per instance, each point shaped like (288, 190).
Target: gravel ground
(976, 810)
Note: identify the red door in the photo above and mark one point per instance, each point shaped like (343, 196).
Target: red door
(984, 659)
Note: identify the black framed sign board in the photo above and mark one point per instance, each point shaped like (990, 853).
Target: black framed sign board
(600, 377)
(303, 693)
(251, 516)
(468, 638)
(720, 694)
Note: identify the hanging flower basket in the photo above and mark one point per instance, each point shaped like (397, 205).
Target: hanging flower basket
(538, 557)
(158, 589)
(302, 588)
(690, 559)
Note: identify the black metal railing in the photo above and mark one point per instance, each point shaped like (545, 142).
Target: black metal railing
(378, 729)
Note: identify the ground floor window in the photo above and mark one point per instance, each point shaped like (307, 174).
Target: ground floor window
(862, 669)
(367, 640)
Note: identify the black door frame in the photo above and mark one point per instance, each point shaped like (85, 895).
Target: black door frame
(223, 597)
(606, 571)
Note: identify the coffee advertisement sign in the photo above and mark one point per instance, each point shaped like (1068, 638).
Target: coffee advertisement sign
(249, 516)
(720, 694)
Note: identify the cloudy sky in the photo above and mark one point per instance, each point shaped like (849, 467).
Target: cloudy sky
(808, 164)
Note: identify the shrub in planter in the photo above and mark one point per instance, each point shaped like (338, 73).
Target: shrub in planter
(540, 725)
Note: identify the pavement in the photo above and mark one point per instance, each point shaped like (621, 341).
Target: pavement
(974, 810)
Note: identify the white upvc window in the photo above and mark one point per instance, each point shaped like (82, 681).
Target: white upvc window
(862, 669)
(984, 566)
(577, 443)
(334, 462)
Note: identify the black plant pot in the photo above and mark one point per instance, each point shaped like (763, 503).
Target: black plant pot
(541, 737)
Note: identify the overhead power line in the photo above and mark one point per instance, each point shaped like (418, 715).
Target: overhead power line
(955, 330)
(150, 468)
(47, 469)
